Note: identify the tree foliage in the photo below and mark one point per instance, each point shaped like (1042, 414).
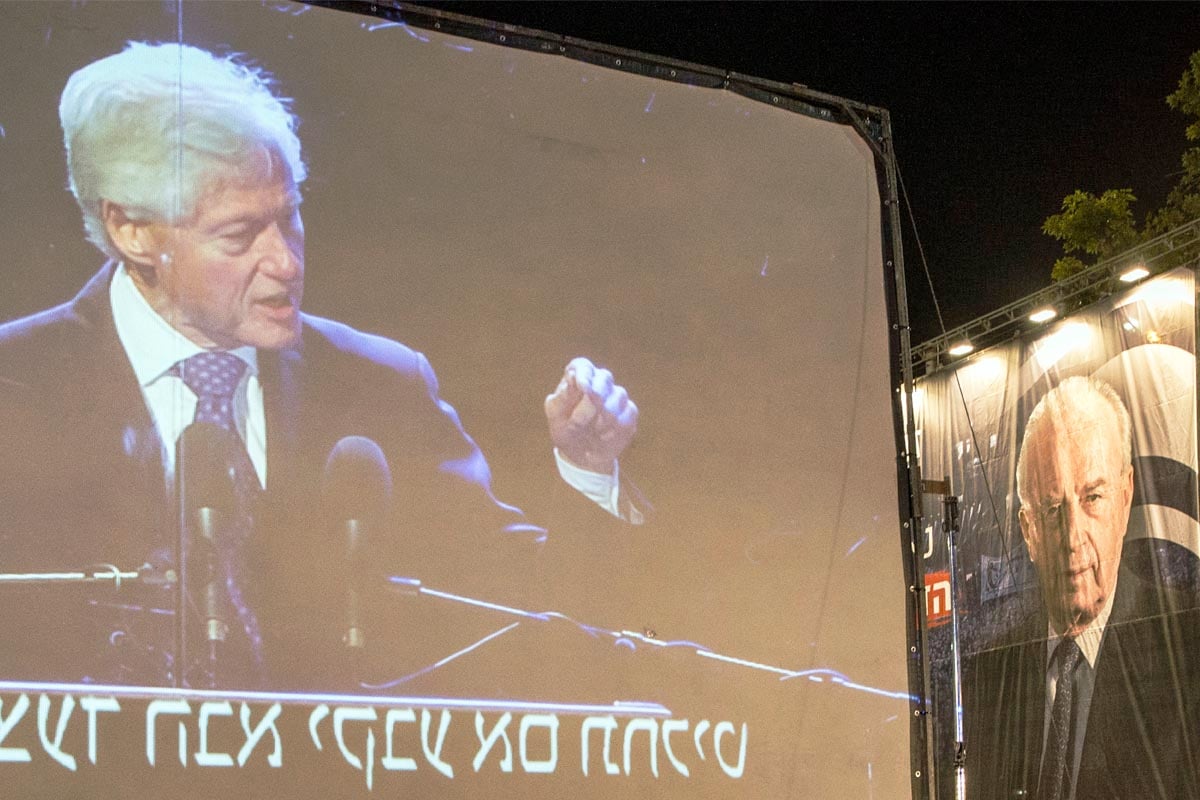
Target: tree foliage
(1102, 226)
(1183, 203)
(1186, 99)
(1096, 226)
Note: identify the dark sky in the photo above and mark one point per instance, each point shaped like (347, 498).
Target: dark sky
(999, 110)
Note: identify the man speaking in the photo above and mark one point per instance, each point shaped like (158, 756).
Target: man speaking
(1094, 696)
(188, 348)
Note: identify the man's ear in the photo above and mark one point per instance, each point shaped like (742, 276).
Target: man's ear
(134, 240)
(1127, 489)
(1029, 532)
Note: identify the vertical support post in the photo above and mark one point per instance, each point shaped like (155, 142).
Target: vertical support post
(924, 787)
(950, 522)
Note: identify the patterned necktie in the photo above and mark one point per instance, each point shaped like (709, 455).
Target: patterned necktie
(214, 377)
(1055, 780)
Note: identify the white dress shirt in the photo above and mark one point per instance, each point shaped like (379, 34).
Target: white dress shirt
(602, 489)
(153, 348)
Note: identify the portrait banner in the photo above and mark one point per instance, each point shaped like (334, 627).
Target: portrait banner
(1073, 452)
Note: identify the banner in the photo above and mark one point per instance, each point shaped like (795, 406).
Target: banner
(1073, 451)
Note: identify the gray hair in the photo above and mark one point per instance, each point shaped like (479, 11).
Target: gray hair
(152, 127)
(1055, 404)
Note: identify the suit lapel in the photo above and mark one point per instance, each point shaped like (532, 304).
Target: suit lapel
(1133, 677)
(292, 557)
(281, 375)
(110, 455)
(120, 446)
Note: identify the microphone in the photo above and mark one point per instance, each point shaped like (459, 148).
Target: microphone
(207, 500)
(357, 490)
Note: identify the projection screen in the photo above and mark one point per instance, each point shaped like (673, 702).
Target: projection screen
(546, 447)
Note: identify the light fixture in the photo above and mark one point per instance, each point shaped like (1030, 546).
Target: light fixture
(1134, 273)
(961, 349)
(1044, 314)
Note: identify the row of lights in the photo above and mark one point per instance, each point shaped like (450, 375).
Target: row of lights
(1047, 313)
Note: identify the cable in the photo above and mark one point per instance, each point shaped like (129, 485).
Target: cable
(1005, 550)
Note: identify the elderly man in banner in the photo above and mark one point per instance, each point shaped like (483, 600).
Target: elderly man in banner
(188, 170)
(1096, 695)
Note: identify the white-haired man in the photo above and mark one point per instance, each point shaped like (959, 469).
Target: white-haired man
(1095, 695)
(187, 169)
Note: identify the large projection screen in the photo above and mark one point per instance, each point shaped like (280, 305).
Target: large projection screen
(722, 617)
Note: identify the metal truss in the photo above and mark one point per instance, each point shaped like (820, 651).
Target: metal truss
(1174, 248)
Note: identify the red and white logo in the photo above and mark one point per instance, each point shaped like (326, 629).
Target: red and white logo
(937, 598)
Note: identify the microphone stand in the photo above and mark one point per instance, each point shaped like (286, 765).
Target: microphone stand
(960, 747)
(182, 657)
(950, 524)
(354, 640)
(205, 496)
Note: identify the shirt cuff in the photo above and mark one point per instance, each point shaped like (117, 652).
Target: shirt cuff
(602, 489)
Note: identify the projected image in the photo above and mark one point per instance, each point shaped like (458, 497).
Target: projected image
(387, 408)
(187, 170)
(1079, 674)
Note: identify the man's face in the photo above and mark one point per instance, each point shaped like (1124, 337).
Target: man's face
(235, 271)
(1074, 519)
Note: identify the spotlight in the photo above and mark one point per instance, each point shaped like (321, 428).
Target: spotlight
(961, 349)
(1044, 314)
(1134, 273)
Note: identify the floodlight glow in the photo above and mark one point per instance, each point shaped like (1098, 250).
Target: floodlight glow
(984, 369)
(1135, 273)
(1072, 337)
(1043, 314)
(1160, 292)
(961, 349)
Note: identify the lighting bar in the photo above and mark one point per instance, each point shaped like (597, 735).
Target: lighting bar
(1175, 248)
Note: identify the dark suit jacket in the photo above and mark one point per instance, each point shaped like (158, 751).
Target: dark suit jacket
(1143, 729)
(81, 483)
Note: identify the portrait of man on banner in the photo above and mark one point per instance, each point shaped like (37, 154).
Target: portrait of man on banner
(1095, 693)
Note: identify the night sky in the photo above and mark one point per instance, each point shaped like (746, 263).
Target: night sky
(999, 110)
